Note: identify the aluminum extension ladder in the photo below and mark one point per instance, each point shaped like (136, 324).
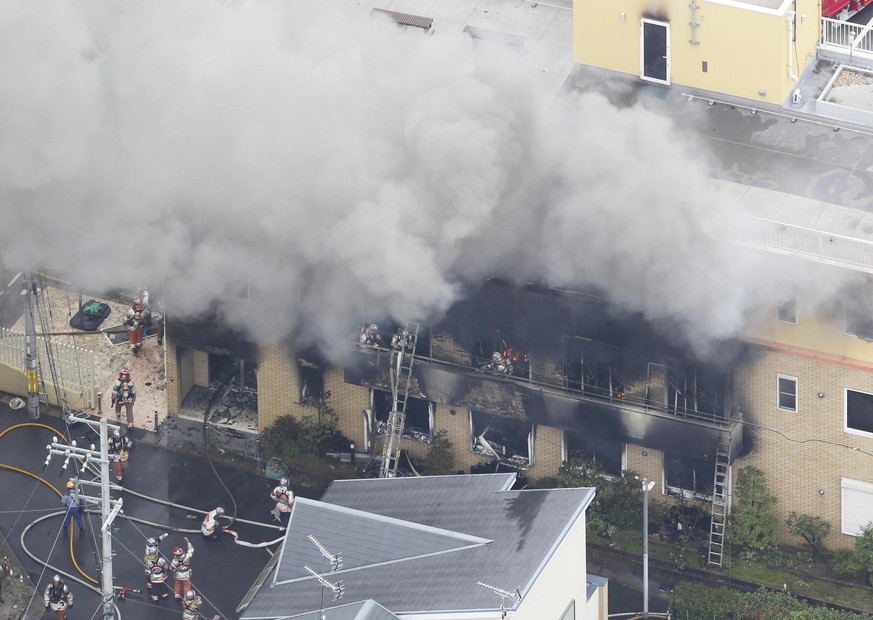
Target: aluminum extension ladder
(400, 370)
(720, 495)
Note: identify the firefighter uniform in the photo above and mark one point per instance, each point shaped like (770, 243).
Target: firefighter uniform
(190, 604)
(135, 318)
(181, 567)
(124, 393)
(284, 499)
(58, 597)
(119, 448)
(211, 526)
(156, 576)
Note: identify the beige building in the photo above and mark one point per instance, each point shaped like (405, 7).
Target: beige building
(755, 49)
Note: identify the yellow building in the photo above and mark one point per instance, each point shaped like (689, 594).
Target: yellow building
(755, 49)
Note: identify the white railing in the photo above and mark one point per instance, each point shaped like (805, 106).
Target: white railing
(74, 366)
(842, 34)
(818, 245)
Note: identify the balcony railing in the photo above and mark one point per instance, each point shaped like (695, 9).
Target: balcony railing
(853, 39)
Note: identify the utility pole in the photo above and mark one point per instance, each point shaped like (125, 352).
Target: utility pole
(31, 356)
(647, 486)
(109, 508)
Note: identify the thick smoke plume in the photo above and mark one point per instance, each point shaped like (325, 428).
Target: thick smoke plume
(345, 169)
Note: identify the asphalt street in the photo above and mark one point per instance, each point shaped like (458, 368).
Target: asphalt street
(222, 570)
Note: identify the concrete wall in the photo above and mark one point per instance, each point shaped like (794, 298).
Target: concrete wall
(746, 49)
(201, 368)
(14, 381)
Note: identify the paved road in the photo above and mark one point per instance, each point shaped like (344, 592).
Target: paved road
(222, 570)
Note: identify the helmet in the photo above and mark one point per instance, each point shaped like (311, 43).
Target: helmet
(496, 356)
(178, 551)
(219, 511)
(124, 373)
(57, 579)
(71, 484)
(116, 433)
(152, 551)
(374, 327)
(152, 542)
(283, 482)
(190, 595)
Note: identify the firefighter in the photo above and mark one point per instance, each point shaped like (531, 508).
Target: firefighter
(135, 318)
(156, 574)
(119, 448)
(284, 499)
(370, 336)
(124, 393)
(154, 542)
(190, 605)
(181, 567)
(211, 527)
(73, 503)
(58, 597)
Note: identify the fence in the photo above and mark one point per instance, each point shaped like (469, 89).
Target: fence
(74, 366)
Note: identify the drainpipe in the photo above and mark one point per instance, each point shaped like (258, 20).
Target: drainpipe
(790, 16)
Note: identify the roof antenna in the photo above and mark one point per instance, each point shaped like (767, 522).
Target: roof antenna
(504, 594)
(336, 563)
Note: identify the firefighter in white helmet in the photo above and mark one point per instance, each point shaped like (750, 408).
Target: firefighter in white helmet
(119, 451)
(153, 542)
(211, 527)
(190, 604)
(156, 569)
(284, 498)
(135, 318)
(58, 597)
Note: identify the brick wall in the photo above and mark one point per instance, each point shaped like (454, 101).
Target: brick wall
(348, 401)
(180, 375)
(445, 347)
(278, 386)
(804, 454)
(646, 463)
(548, 450)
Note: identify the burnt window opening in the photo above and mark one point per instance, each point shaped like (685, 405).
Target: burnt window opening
(859, 412)
(501, 438)
(689, 476)
(311, 383)
(500, 349)
(593, 367)
(606, 453)
(695, 391)
(858, 322)
(787, 311)
(418, 423)
(786, 393)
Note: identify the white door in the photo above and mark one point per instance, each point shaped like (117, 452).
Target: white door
(655, 51)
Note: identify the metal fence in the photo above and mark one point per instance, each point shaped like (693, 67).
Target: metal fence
(824, 247)
(853, 37)
(74, 367)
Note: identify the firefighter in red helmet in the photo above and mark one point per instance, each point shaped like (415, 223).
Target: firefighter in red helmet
(181, 567)
(124, 393)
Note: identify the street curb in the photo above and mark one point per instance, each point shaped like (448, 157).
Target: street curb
(18, 590)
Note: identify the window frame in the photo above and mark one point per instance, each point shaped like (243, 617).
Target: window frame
(847, 318)
(849, 484)
(671, 489)
(846, 427)
(790, 303)
(408, 435)
(780, 377)
(530, 440)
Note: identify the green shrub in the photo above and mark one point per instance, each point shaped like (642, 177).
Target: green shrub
(440, 460)
(857, 562)
(693, 600)
(618, 503)
(753, 524)
(767, 605)
(811, 529)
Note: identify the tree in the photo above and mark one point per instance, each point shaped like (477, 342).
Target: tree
(859, 560)
(440, 460)
(811, 529)
(753, 524)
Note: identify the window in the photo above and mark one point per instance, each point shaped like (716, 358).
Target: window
(859, 323)
(859, 412)
(593, 367)
(786, 397)
(509, 342)
(504, 439)
(787, 312)
(689, 476)
(857, 506)
(607, 453)
(418, 424)
(311, 384)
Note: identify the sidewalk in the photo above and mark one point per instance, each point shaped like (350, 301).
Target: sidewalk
(17, 588)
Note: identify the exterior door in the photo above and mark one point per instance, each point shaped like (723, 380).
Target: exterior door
(655, 51)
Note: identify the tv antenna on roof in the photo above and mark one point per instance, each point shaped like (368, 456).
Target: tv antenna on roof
(337, 588)
(504, 594)
(335, 559)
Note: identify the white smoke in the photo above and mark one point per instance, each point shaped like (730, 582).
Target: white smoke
(343, 168)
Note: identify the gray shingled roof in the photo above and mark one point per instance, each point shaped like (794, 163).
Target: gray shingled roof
(422, 546)
(362, 610)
